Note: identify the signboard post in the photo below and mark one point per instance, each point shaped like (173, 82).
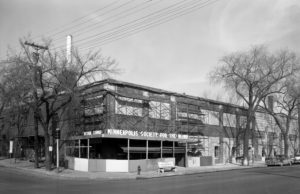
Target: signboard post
(57, 137)
(11, 145)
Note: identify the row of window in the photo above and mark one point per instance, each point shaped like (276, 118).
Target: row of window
(161, 110)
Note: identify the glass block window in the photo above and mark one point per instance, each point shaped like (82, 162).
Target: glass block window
(185, 115)
(211, 117)
(93, 105)
(129, 106)
(229, 120)
(89, 111)
(159, 110)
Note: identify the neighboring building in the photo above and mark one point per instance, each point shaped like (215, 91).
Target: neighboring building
(118, 126)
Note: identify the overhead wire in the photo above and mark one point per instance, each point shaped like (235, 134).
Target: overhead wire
(144, 23)
(138, 21)
(112, 19)
(132, 27)
(113, 37)
(91, 19)
(162, 22)
(70, 25)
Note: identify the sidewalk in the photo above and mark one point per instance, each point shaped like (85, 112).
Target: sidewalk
(201, 169)
(28, 167)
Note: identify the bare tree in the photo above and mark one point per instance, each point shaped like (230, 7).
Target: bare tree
(254, 75)
(51, 82)
(286, 110)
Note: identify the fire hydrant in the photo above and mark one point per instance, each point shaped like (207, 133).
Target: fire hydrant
(139, 170)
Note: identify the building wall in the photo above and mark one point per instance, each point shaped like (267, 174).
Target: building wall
(216, 123)
(182, 114)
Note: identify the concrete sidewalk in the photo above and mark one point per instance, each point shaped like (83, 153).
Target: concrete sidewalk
(202, 169)
(28, 167)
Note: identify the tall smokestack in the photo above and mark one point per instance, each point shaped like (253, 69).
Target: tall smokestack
(69, 49)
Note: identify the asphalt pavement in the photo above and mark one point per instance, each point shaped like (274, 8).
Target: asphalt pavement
(273, 180)
(28, 168)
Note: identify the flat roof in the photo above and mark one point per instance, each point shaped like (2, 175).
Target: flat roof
(127, 137)
(156, 90)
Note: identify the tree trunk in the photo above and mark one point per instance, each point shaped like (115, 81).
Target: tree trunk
(286, 145)
(36, 141)
(47, 152)
(246, 144)
(246, 136)
(298, 126)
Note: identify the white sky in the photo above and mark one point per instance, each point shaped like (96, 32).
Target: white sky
(176, 55)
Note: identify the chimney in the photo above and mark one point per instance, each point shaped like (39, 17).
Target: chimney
(69, 49)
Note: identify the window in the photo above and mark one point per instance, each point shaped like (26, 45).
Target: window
(272, 136)
(93, 105)
(292, 137)
(211, 117)
(243, 122)
(259, 134)
(90, 111)
(189, 111)
(217, 151)
(129, 106)
(159, 110)
(195, 116)
(229, 120)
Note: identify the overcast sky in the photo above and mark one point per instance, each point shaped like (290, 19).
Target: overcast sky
(176, 55)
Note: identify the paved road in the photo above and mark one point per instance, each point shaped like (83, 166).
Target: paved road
(272, 180)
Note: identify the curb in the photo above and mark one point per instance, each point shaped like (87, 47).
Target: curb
(52, 174)
(197, 172)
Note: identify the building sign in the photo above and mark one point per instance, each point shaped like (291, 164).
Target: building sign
(121, 132)
(96, 132)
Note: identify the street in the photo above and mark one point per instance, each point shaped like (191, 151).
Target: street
(273, 180)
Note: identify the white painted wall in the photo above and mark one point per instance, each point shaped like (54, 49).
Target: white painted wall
(116, 165)
(81, 164)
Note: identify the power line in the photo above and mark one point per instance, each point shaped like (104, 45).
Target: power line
(134, 26)
(108, 21)
(81, 18)
(143, 23)
(140, 20)
(68, 26)
(130, 33)
(150, 25)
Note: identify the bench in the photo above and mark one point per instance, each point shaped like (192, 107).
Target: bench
(167, 165)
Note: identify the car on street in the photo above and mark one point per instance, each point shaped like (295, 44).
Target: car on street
(296, 159)
(278, 160)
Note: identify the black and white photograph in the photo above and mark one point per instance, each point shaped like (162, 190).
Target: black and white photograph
(149, 96)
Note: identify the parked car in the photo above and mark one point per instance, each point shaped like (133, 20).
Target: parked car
(296, 159)
(278, 160)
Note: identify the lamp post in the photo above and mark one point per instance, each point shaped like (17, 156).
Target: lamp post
(57, 137)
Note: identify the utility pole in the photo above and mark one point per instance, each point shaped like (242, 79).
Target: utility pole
(35, 97)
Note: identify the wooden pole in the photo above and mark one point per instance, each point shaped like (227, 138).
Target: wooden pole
(128, 149)
(186, 157)
(88, 148)
(147, 148)
(161, 149)
(173, 151)
(79, 148)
